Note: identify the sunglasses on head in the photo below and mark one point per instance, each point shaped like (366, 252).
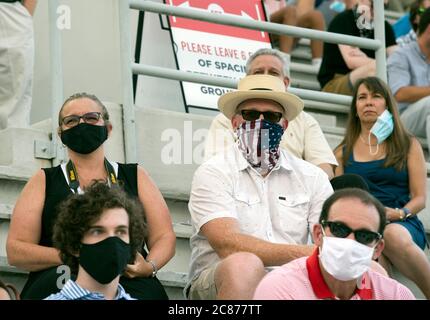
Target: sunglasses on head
(73, 120)
(271, 116)
(341, 230)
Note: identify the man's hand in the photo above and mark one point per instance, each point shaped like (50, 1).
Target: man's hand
(392, 214)
(356, 52)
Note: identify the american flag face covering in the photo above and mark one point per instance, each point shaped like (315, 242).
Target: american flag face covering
(258, 140)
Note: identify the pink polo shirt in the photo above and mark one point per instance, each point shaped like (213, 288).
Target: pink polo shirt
(301, 279)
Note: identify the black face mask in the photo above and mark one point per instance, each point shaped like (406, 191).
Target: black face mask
(105, 260)
(84, 138)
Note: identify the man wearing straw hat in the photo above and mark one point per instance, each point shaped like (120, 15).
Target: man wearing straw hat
(252, 205)
(303, 138)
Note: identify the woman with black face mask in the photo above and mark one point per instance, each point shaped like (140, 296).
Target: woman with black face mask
(83, 128)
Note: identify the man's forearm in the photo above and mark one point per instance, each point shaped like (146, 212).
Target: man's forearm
(359, 61)
(354, 57)
(32, 257)
(412, 93)
(272, 254)
(30, 5)
(327, 168)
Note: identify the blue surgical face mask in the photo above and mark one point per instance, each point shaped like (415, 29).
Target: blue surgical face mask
(337, 6)
(382, 129)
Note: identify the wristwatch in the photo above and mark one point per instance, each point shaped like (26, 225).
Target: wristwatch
(407, 212)
(154, 268)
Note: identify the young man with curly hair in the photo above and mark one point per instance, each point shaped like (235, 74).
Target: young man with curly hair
(97, 233)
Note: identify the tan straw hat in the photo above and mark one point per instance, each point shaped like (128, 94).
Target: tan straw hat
(261, 87)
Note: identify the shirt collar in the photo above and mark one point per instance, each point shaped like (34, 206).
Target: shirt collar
(73, 291)
(416, 46)
(320, 287)
(285, 160)
(122, 295)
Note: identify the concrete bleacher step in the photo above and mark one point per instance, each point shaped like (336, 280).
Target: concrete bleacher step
(303, 73)
(321, 109)
(301, 54)
(12, 180)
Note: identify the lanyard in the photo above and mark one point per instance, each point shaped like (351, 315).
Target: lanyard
(72, 174)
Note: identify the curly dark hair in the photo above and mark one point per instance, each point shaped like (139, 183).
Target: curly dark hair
(78, 212)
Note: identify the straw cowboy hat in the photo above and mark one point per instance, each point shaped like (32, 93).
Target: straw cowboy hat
(261, 87)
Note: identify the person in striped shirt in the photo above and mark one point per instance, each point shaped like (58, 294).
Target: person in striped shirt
(97, 233)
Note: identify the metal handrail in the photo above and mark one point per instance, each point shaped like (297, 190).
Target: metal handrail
(234, 20)
(129, 124)
(227, 19)
(167, 73)
(380, 54)
(377, 44)
(57, 152)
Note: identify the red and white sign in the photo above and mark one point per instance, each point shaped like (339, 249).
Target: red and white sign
(214, 49)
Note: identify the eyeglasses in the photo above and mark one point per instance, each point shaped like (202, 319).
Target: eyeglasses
(73, 120)
(250, 115)
(341, 230)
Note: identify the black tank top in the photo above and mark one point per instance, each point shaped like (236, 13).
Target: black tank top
(57, 190)
(43, 283)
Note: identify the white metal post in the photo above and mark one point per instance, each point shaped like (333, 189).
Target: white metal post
(127, 82)
(380, 54)
(57, 150)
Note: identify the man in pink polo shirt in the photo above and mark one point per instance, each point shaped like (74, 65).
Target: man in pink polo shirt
(348, 236)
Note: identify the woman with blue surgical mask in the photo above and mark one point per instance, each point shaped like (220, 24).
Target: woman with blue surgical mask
(377, 147)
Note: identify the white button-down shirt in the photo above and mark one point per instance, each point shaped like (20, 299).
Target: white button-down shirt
(280, 208)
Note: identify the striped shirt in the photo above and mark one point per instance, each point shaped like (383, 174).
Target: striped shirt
(72, 291)
(302, 279)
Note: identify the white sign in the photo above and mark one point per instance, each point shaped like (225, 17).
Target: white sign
(214, 49)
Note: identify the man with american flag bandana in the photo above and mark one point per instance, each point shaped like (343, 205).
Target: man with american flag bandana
(253, 204)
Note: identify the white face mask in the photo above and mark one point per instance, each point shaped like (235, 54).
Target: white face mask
(345, 259)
